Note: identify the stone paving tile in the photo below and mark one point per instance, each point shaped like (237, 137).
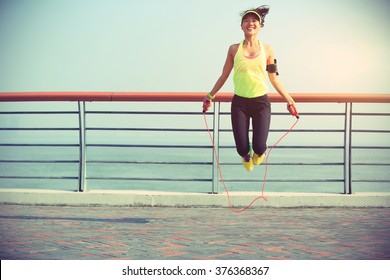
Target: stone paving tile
(59, 232)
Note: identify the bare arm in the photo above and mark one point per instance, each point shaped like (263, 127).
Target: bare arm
(227, 69)
(276, 83)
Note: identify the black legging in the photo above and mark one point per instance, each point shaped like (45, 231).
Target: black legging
(243, 109)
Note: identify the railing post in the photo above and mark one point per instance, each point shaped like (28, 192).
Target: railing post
(347, 148)
(216, 121)
(350, 151)
(82, 185)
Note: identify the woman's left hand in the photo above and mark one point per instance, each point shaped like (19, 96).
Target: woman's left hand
(292, 109)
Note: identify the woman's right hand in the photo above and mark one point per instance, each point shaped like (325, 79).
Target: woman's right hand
(206, 103)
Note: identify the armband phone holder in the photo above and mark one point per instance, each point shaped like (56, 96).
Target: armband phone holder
(273, 68)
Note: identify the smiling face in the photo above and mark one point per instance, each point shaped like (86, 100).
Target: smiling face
(250, 24)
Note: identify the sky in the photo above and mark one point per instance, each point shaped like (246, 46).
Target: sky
(333, 46)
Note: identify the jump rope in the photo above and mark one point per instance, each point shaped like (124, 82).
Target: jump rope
(262, 196)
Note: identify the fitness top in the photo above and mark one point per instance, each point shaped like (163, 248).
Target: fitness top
(250, 74)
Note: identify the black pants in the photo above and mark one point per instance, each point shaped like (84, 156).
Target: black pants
(259, 110)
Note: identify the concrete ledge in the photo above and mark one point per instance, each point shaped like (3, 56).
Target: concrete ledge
(173, 199)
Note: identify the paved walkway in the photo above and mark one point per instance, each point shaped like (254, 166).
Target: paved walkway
(63, 232)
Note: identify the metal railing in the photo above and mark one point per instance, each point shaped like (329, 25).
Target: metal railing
(178, 152)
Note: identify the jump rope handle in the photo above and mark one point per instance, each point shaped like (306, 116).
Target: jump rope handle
(206, 106)
(293, 110)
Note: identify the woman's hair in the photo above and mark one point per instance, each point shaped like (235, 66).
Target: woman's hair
(262, 11)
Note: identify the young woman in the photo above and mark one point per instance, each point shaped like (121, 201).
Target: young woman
(250, 60)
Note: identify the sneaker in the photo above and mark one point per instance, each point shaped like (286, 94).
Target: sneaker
(247, 162)
(257, 160)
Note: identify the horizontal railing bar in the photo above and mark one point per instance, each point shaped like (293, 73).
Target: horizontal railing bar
(148, 146)
(39, 112)
(39, 161)
(208, 180)
(182, 146)
(150, 179)
(308, 130)
(291, 163)
(149, 162)
(293, 147)
(38, 129)
(195, 113)
(146, 129)
(310, 114)
(142, 113)
(370, 131)
(188, 163)
(284, 181)
(38, 145)
(39, 177)
(185, 97)
(370, 164)
(207, 163)
(295, 130)
(371, 181)
(202, 147)
(301, 114)
(371, 147)
(203, 130)
(372, 114)
(176, 129)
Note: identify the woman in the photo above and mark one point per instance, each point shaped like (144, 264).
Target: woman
(250, 60)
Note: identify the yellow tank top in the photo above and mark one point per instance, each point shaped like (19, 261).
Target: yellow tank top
(250, 74)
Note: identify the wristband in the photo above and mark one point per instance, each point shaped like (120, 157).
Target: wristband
(210, 96)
